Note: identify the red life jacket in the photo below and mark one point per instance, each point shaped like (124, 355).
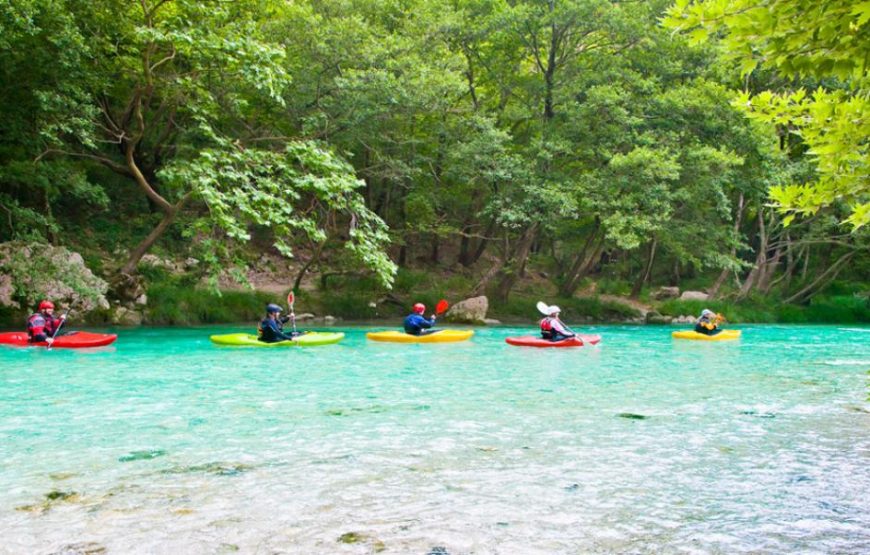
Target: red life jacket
(547, 324)
(36, 325)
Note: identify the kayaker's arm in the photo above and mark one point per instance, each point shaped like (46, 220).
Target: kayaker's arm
(560, 328)
(276, 333)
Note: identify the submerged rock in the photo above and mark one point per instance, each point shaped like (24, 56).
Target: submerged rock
(60, 495)
(217, 468)
(357, 537)
(757, 414)
(351, 537)
(142, 455)
(82, 548)
(632, 416)
(52, 498)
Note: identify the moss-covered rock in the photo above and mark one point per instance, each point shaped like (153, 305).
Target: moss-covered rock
(30, 272)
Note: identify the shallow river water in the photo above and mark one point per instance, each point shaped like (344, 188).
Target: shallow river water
(165, 443)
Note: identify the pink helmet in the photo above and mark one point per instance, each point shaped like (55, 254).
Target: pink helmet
(419, 308)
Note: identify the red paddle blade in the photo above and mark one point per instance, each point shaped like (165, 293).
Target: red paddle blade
(441, 306)
(290, 298)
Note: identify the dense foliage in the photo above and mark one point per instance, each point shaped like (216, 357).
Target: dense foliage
(516, 144)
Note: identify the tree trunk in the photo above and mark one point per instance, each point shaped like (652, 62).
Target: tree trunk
(822, 281)
(584, 262)
(713, 292)
(169, 210)
(315, 256)
(510, 275)
(766, 274)
(434, 255)
(760, 258)
(638, 285)
(140, 250)
(465, 246)
(482, 243)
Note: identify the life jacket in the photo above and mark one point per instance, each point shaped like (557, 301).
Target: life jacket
(36, 325)
(547, 325)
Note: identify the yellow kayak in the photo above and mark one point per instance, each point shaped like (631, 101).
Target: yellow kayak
(442, 336)
(725, 335)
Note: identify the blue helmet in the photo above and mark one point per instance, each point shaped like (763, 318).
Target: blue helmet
(273, 308)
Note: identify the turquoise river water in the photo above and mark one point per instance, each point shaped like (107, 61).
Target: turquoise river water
(164, 443)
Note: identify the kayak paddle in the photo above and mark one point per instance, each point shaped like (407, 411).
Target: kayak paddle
(291, 298)
(57, 329)
(441, 307)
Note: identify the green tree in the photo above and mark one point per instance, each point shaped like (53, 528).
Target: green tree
(181, 98)
(828, 41)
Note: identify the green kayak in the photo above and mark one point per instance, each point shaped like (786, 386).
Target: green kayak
(310, 339)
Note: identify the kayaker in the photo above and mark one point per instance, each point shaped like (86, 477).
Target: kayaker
(271, 329)
(708, 323)
(42, 325)
(416, 324)
(552, 327)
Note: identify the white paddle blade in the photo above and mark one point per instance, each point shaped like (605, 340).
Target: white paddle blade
(543, 308)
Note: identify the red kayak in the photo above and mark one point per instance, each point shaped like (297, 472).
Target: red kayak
(72, 340)
(533, 341)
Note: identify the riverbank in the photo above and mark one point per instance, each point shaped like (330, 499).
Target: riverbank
(181, 299)
(193, 307)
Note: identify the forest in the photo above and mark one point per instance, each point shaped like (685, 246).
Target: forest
(182, 162)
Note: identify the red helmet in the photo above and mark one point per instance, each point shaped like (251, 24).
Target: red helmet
(419, 308)
(46, 304)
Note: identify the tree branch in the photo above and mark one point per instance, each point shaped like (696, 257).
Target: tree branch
(112, 165)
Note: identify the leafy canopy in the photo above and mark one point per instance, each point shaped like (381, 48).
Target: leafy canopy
(827, 41)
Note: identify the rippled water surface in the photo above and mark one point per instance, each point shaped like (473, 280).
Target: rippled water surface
(167, 444)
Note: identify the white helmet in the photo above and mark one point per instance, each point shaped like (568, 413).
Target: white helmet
(553, 310)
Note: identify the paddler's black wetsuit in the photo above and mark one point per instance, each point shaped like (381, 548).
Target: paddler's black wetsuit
(272, 331)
